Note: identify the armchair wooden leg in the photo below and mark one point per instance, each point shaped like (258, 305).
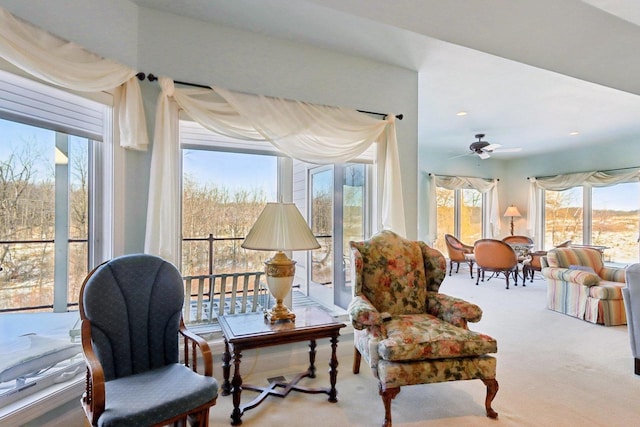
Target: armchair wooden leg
(636, 366)
(357, 357)
(387, 396)
(492, 390)
(450, 267)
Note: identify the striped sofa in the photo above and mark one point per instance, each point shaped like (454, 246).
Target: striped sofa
(580, 285)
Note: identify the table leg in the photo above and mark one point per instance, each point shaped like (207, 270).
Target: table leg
(226, 369)
(333, 370)
(236, 383)
(312, 359)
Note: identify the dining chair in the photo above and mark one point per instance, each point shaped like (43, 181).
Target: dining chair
(459, 252)
(496, 257)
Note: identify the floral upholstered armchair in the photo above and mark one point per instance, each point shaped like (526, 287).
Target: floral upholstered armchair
(407, 332)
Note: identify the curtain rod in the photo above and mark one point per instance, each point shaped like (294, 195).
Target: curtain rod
(458, 176)
(151, 77)
(605, 170)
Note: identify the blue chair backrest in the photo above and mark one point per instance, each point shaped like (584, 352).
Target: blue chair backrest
(134, 304)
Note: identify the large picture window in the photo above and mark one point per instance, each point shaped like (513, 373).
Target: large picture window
(459, 213)
(55, 164)
(606, 217)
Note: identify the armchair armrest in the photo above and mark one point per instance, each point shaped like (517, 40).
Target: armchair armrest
(191, 343)
(580, 277)
(363, 314)
(93, 399)
(613, 274)
(453, 310)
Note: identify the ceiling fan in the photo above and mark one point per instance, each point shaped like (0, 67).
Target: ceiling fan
(483, 149)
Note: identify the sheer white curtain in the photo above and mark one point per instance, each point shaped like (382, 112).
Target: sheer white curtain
(311, 133)
(564, 182)
(490, 187)
(68, 65)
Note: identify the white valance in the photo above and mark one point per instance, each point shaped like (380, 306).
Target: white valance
(567, 181)
(68, 65)
(490, 187)
(307, 132)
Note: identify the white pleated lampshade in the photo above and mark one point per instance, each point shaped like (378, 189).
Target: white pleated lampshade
(512, 211)
(280, 227)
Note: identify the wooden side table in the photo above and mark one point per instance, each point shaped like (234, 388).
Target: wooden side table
(251, 330)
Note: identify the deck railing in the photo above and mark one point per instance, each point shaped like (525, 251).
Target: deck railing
(208, 296)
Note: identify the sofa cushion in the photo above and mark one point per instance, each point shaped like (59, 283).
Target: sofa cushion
(564, 257)
(422, 336)
(607, 290)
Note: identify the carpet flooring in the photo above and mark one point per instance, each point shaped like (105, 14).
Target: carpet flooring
(553, 370)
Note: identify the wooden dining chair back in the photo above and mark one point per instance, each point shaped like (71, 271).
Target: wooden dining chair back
(459, 253)
(497, 257)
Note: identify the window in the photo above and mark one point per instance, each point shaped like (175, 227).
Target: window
(227, 182)
(563, 216)
(614, 220)
(52, 147)
(340, 206)
(600, 216)
(222, 195)
(459, 213)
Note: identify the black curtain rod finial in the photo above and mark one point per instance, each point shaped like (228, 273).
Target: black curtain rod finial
(151, 77)
(141, 76)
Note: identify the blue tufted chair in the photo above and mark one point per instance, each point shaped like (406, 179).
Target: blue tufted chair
(131, 312)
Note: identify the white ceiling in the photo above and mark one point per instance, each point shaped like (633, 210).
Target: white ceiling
(528, 72)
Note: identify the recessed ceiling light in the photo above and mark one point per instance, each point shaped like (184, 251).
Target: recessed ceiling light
(461, 113)
(574, 133)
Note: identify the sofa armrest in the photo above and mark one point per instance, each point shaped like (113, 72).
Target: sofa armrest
(613, 274)
(363, 314)
(453, 310)
(580, 277)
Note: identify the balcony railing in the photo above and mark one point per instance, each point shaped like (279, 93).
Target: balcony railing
(211, 295)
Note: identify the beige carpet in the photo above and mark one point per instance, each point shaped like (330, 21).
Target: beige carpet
(553, 370)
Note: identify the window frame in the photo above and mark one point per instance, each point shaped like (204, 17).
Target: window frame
(587, 212)
(41, 105)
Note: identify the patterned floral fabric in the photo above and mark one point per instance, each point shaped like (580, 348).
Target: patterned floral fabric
(453, 310)
(393, 374)
(392, 273)
(407, 331)
(596, 298)
(422, 336)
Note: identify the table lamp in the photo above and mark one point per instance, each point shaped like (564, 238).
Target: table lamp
(280, 227)
(512, 211)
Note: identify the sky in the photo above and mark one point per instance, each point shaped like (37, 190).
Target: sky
(233, 170)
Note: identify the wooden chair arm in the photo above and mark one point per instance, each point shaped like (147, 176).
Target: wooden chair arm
(191, 341)
(93, 399)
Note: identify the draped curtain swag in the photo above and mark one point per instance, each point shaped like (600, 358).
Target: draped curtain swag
(490, 187)
(567, 181)
(62, 63)
(310, 133)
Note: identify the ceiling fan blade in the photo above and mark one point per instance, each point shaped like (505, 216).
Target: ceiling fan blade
(491, 147)
(484, 155)
(460, 155)
(508, 150)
